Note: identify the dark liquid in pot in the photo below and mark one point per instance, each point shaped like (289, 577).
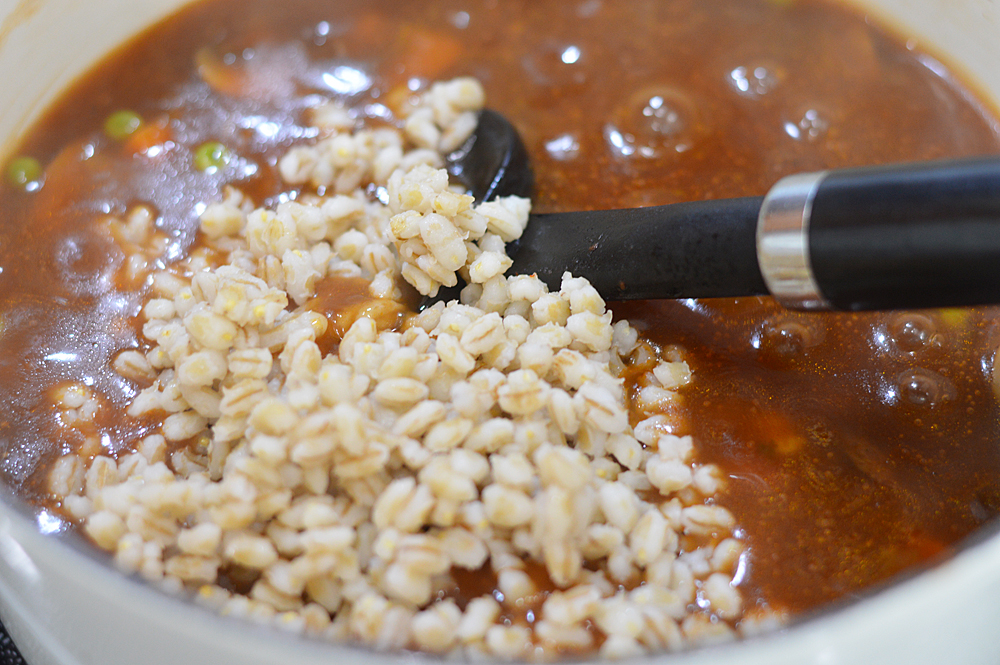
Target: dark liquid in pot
(856, 446)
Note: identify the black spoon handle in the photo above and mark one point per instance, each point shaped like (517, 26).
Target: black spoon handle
(892, 237)
(905, 236)
(703, 249)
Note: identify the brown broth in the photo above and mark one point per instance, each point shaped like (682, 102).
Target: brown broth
(343, 300)
(840, 474)
(837, 481)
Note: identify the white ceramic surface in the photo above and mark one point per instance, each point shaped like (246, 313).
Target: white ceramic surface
(64, 607)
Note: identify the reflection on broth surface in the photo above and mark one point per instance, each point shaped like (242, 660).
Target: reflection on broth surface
(853, 446)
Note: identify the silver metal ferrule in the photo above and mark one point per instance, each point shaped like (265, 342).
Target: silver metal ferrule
(783, 242)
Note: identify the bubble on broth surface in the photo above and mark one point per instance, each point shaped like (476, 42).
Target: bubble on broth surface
(811, 125)
(995, 376)
(563, 147)
(787, 337)
(653, 122)
(83, 261)
(553, 63)
(922, 387)
(909, 332)
(18, 459)
(755, 80)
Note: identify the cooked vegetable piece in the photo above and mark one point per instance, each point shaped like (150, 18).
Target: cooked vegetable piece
(222, 78)
(211, 156)
(122, 124)
(22, 171)
(148, 137)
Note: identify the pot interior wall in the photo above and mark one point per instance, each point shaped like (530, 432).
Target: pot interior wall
(46, 44)
(961, 33)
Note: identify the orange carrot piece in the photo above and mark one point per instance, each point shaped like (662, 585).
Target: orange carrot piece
(225, 79)
(149, 136)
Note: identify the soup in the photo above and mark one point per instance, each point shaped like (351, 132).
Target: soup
(796, 421)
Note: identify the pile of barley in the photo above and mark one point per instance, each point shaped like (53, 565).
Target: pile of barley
(345, 490)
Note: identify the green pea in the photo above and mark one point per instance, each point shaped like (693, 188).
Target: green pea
(122, 124)
(211, 156)
(23, 171)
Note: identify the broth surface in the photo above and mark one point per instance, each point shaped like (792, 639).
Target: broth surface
(856, 445)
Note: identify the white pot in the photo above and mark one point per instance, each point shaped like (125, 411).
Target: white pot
(64, 606)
